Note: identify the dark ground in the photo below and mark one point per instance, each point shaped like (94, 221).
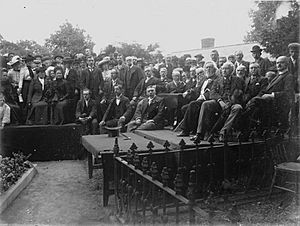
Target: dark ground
(61, 193)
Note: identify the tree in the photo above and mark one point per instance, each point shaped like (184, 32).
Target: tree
(69, 40)
(32, 47)
(271, 32)
(134, 49)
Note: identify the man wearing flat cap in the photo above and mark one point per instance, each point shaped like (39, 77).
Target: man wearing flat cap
(264, 63)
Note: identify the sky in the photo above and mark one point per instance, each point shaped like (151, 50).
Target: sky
(174, 24)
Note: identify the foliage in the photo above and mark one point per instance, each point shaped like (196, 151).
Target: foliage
(148, 53)
(274, 34)
(22, 47)
(12, 168)
(69, 40)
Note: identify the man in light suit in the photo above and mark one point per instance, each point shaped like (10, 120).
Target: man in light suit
(149, 114)
(202, 91)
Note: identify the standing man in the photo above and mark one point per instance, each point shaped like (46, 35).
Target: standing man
(214, 56)
(239, 61)
(264, 63)
(133, 76)
(294, 63)
(122, 68)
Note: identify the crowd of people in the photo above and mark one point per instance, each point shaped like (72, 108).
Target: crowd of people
(214, 96)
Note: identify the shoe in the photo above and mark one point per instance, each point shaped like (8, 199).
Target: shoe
(197, 138)
(221, 138)
(183, 134)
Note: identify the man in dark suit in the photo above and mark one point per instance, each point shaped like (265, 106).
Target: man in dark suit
(278, 96)
(294, 63)
(118, 111)
(122, 68)
(264, 63)
(92, 79)
(133, 76)
(202, 91)
(222, 98)
(149, 114)
(169, 67)
(86, 113)
(239, 61)
(149, 80)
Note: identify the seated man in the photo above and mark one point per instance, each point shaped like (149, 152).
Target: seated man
(86, 113)
(149, 80)
(191, 110)
(277, 98)
(221, 99)
(118, 111)
(4, 112)
(149, 114)
(176, 86)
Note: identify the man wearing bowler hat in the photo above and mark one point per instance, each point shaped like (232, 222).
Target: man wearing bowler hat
(264, 63)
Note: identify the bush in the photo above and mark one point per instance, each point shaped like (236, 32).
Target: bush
(12, 168)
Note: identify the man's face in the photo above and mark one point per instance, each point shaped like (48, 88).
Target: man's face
(281, 64)
(41, 74)
(226, 70)
(148, 73)
(150, 92)
(238, 57)
(175, 77)
(120, 59)
(221, 61)
(240, 72)
(59, 60)
(129, 62)
(209, 70)
(254, 69)
(58, 74)
(90, 62)
(232, 59)
(114, 75)
(256, 54)
(47, 63)
(294, 53)
(117, 90)
(214, 56)
(82, 64)
(163, 73)
(88, 52)
(86, 95)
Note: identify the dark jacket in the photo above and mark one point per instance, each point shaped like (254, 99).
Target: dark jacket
(172, 88)
(195, 93)
(115, 111)
(35, 93)
(108, 88)
(254, 87)
(153, 111)
(224, 88)
(140, 90)
(132, 78)
(294, 70)
(283, 88)
(62, 90)
(264, 65)
(93, 80)
(84, 111)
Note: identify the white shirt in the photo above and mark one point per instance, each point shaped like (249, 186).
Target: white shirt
(150, 100)
(118, 99)
(66, 73)
(43, 83)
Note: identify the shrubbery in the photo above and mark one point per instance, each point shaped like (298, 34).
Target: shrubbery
(11, 169)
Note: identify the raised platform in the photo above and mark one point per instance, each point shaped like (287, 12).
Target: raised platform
(160, 137)
(43, 142)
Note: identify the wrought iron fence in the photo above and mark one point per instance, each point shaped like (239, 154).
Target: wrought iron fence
(178, 185)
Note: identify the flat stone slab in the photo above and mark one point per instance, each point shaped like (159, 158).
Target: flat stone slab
(12, 193)
(160, 137)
